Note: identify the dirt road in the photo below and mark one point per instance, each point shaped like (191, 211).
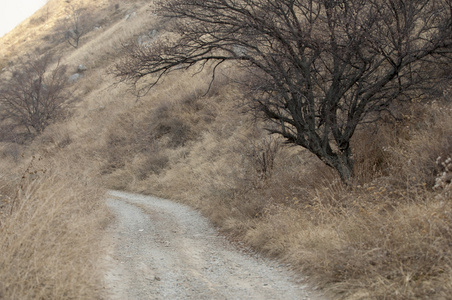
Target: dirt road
(163, 250)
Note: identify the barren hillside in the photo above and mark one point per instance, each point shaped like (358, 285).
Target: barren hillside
(388, 236)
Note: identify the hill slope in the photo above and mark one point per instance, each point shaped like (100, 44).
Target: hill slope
(387, 237)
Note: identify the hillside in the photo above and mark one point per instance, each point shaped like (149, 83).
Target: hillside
(386, 237)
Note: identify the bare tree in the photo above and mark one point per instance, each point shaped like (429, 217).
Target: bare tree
(318, 68)
(77, 25)
(33, 96)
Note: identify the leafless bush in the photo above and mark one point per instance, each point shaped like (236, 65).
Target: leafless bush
(34, 96)
(77, 23)
(37, 20)
(263, 153)
(150, 163)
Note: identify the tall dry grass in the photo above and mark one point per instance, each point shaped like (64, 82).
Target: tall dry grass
(49, 232)
(52, 213)
(388, 238)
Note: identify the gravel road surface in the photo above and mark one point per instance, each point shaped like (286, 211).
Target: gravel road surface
(159, 249)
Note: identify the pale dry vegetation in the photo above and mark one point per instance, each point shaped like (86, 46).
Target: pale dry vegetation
(387, 237)
(51, 195)
(49, 223)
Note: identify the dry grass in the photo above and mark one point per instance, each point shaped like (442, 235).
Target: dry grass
(364, 252)
(52, 218)
(388, 237)
(49, 234)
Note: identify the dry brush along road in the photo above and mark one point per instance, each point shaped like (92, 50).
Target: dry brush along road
(159, 249)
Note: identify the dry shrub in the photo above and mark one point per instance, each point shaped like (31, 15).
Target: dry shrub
(415, 160)
(119, 179)
(144, 165)
(49, 235)
(11, 151)
(259, 154)
(371, 146)
(54, 138)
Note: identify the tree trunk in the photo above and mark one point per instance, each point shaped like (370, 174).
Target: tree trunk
(343, 164)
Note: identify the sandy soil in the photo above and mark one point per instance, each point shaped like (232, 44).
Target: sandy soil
(160, 249)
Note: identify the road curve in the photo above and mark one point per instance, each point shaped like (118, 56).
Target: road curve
(159, 249)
